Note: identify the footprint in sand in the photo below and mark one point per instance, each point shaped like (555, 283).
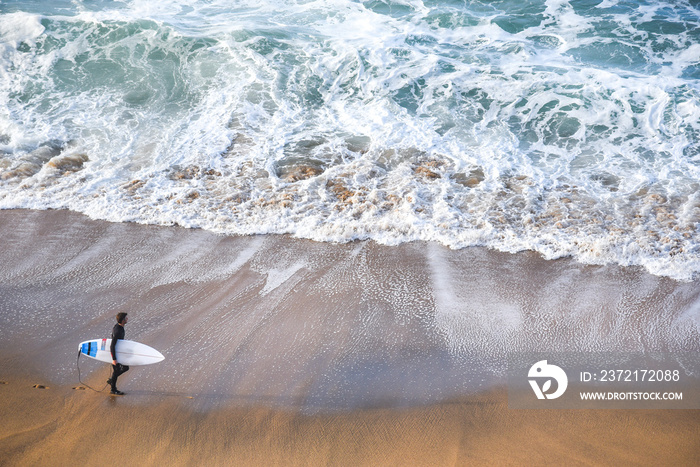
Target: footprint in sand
(40, 386)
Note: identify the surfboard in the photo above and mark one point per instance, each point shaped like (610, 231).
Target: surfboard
(128, 352)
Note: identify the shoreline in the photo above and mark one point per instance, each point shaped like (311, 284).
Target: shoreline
(296, 352)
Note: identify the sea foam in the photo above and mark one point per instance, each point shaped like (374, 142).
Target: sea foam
(563, 128)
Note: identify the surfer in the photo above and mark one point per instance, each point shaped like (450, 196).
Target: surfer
(117, 368)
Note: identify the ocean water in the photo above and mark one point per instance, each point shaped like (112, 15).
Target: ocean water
(571, 128)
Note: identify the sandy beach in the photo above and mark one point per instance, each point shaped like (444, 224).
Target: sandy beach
(282, 351)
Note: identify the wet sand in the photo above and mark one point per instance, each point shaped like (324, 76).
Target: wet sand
(282, 351)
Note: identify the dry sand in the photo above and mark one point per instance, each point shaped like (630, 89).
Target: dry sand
(284, 352)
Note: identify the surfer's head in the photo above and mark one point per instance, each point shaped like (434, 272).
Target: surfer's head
(121, 317)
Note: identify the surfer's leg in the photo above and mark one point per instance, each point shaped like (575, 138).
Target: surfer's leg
(113, 379)
(117, 370)
(115, 374)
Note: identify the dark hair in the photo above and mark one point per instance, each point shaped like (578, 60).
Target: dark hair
(120, 317)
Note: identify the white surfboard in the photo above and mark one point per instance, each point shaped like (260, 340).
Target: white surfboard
(128, 352)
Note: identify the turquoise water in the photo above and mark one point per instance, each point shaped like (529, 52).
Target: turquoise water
(568, 128)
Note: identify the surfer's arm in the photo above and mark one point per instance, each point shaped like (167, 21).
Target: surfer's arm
(117, 333)
(113, 351)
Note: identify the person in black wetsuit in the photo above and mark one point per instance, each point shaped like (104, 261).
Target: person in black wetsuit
(117, 368)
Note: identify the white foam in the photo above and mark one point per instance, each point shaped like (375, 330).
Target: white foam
(20, 27)
(464, 135)
(277, 277)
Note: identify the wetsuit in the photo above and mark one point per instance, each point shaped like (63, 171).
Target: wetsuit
(118, 369)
